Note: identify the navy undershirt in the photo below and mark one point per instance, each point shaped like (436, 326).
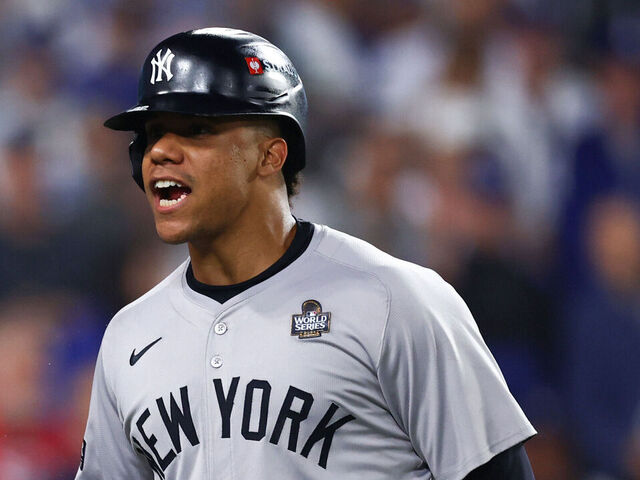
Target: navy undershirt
(512, 464)
(222, 293)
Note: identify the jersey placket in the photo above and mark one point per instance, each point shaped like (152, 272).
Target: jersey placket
(217, 369)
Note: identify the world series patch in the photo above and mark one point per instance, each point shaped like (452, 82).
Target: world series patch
(312, 322)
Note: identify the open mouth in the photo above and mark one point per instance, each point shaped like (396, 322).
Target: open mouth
(170, 192)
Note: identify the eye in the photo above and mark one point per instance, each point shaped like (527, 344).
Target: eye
(199, 128)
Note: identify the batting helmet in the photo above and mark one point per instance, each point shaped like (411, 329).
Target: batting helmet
(217, 72)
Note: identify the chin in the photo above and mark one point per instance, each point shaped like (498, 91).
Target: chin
(171, 235)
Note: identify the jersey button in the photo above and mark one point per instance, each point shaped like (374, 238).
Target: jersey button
(216, 361)
(220, 328)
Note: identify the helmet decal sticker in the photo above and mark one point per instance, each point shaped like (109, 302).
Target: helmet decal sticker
(255, 65)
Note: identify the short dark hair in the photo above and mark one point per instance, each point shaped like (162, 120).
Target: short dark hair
(292, 180)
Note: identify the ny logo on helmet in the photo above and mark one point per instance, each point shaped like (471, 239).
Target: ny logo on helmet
(161, 64)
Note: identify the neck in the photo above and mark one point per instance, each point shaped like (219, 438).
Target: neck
(244, 251)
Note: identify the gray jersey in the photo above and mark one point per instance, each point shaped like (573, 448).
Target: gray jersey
(347, 364)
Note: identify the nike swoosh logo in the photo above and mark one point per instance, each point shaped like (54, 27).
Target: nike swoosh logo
(136, 356)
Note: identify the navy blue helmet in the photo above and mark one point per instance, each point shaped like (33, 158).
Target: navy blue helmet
(217, 72)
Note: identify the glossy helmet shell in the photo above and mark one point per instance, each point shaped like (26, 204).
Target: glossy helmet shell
(217, 72)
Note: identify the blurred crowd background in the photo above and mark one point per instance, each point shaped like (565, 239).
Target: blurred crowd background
(496, 141)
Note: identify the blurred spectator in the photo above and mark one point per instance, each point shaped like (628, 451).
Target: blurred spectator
(28, 243)
(115, 77)
(324, 46)
(385, 190)
(113, 215)
(513, 311)
(602, 337)
(38, 251)
(606, 160)
(31, 99)
(33, 428)
(536, 107)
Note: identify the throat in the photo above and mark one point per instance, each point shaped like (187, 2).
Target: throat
(174, 193)
(229, 260)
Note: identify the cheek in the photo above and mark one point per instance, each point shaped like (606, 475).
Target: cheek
(223, 189)
(227, 176)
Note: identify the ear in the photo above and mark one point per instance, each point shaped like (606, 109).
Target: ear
(273, 155)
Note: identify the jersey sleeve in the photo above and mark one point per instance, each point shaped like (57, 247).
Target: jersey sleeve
(442, 384)
(106, 452)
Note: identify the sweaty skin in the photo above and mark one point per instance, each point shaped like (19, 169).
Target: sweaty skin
(235, 218)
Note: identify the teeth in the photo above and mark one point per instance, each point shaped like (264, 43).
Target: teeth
(166, 184)
(168, 203)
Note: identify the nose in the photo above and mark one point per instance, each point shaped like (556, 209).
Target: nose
(165, 149)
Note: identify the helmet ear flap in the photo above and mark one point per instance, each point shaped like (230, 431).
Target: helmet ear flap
(136, 153)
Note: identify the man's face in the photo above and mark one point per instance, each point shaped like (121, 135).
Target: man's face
(198, 174)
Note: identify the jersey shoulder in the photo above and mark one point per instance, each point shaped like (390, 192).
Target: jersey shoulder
(419, 298)
(404, 280)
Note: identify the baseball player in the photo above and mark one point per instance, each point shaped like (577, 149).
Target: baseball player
(280, 349)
